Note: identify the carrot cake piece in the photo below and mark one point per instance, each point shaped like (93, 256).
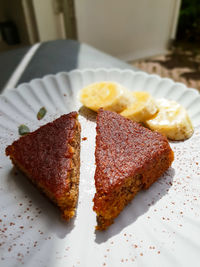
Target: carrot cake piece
(129, 157)
(50, 158)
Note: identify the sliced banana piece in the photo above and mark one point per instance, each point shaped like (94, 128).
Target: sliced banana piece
(172, 120)
(142, 109)
(108, 95)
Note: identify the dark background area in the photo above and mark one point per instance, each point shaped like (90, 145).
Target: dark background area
(189, 21)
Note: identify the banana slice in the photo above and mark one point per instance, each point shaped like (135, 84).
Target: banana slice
(172, 120)
(142, 109)
(108, 95)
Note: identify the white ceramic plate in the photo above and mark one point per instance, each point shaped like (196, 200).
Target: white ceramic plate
(161, 227)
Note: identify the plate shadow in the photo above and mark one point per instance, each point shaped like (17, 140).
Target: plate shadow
(88, 114)
(51, 215)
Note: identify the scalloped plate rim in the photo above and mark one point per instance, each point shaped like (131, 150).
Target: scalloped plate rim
(106, 70)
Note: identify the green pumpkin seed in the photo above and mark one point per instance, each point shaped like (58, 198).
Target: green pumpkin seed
(23, 129)
(41, 113)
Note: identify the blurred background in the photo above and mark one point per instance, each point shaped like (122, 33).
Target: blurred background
(157, 36)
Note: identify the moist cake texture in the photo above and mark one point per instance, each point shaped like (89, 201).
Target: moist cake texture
(129, 157)
(50, 157)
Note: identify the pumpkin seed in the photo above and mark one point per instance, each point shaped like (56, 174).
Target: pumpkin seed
(23, 129)
(41, 113)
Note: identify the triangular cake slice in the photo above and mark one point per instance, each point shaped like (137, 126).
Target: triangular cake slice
(129, 157)
(50, 158)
